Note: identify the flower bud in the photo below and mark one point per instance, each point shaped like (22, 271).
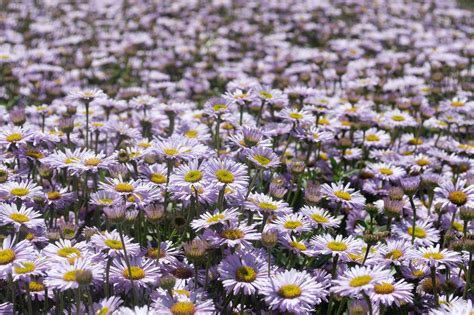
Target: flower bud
(269, 238)
(167, 282)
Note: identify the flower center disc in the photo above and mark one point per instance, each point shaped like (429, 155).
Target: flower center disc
(225, 176)
(459, 198)
(233, 234)
(14, 137)
(66, 251)
(6, 256)
(434, 255)
(124, 187)
(135, 273)
(262, 159)
(319, 218)
(419, 232)
(289, 291)
(114, 244)
(193, 176)
(360, 281)
(343, 195)
(183, 308)
(292, 224)
(19, 217)
(337, 246)
(245, 274)
(25, 268)
(384, 288)
(20, 192)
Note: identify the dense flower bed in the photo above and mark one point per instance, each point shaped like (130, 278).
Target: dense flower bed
(254, 157)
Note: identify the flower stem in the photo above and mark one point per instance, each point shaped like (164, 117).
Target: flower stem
(433, 280)
(414, 220)
(468, 277)
(127, 261)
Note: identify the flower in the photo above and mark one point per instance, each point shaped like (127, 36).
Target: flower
(434, 256)
(318, 217)
(13, 254)
(232, 234)
(293, 291)
(359, 279)
(242, 273)
(227, 173)
(263, 157)
(64, 275)
(389, 292)
(336, 246)
(343, 195)
(183, 304)
(27, 217)
(209, 219)
(65, 250)
(386, 171)
(86, 94)
(142, 271)
(24, 190)
(265, 204)
(425, 234)
(110, 243)
(455, 195)
(291, 223)
(13, 135)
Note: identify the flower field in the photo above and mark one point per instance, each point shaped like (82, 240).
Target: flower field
(197, 157)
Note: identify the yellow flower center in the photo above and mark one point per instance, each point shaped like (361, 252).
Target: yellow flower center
(289, 291)
(233, 234)
(415, 141)
(19, 217)
(92, 162)
(267, 206)
(66, 251)
(34, 154)
(296, 116)
(19, 192)
(459, 198)
(360, 281)
(25, 268)
(193, 176)
(106, 201)
(372, 138)
(153, 253)
(458, 226)
(291, 225)
(70, 275)
(102, 311)
(135, 273)
(54, 195)
(245, 274)
(418, 273)
(398, 118)
(13, 137)
(224, 176)
(337, 246)
(215, 218)
(433, 255)
(418, 232)
(191, 133)
(384, 288)
(182, 292)
(394, 254)
(170, 151)
(319, 218)
(423, 162)
(265, 94)
(183, 308)
(457, 103)
(158, 178)
(71, 160)
(124, 187)
(35, 286)
(219, 107)
(6, 256)
(114, 244)
(385, 171)
(262, 159)
(298, 245)
(343, 195)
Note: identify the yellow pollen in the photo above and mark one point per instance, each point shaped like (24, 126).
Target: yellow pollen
(337, 246)
(419, 232)
(372, 138)
(183, 308)
(182, 292)
(102, 311)
(20, 192)
(158, 178)
(54, 195)
(224, 176)
(92, 162)
(296, 116)
(70, 275)
(36, 286)
(360, 281)
(19, 217)
(191, 134)
(66, 251)
(219, 107)
(124, 187)
(25, 268)
(415, 141)
(245, 274)
(71, 160)
(267, 206)
(457, 103)
(135, 273)
(398, 118)
(193, 176)
(114, 244)
(298, 245)
(319, 218)
(384, 288)
(13, 137)
(394, 254)
(262, 159)
(106, 201)
(233, 234)
(6, 256)
(458, 226)
(215, 218)
(459, 198)
(170, 151)
(433, 255)
(423, 162)
(289, 291)
(385, 171)
(265, 94)
(291, 225)
(343, 195)
(34, 154)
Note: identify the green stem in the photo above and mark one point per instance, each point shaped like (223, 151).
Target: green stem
(127, 261)
(434, 282)
(468, 277)
(414, 220)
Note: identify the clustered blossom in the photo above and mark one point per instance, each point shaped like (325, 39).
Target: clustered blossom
(222, 157)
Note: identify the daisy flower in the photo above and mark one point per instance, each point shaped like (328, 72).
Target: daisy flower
(155, 174)
(434, 256)
(186, 175)
(227, 173)
(27, 217)
(314, 134)
(12, 254)
(135, 188)
(65, 250)
(395, 252)
(425, 233)
(250, 137)
(86, 94)
(232, 234)
(263, 157)
(64, 159)
(397, 119)
(24, 190)
(142, 271)
(372, 138)
(296, 116)
(343, 195)
(291, 223)
(209, 219)
(265, 204)
(455, 195)
(34, 267)
(242, 273)
(183, 304)
(104, 198)
(107, 306)
(359, 279)
(63, 275)
(173, 148)
(386, 171)
(336, 246)
(13, 135)
(296, 246)
(110, 243)
(318, 217)
(389, 292)
(293, 291)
